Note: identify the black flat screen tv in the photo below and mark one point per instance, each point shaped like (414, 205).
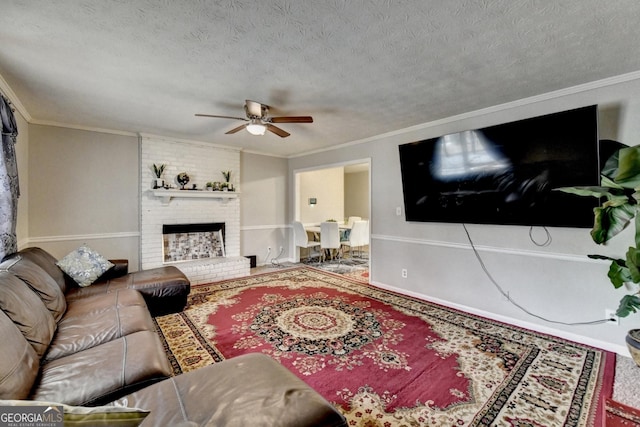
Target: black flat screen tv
(506, 174)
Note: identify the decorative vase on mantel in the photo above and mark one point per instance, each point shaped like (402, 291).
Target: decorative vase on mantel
(182, 179)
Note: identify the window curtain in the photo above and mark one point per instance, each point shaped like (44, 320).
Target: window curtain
(9, 187)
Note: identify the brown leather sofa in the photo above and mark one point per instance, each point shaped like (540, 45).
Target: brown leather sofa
(105, 333)
(98, 346)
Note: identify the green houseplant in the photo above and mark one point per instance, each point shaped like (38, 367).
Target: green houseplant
(620, 194)
(157, 172)
(227, 185)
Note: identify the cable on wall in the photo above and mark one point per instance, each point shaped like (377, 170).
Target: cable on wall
(515, 303)
(547, 241)
(275, 262)
(266, 258)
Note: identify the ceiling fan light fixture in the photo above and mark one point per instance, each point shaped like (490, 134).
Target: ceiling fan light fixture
(256, 127)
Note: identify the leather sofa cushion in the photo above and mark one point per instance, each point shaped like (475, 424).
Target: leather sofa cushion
(248, 390)
(41, 283)
(46, 261)
(26, 310)
(99, 374)
(19, 362)
(92, 305)
(77, 333)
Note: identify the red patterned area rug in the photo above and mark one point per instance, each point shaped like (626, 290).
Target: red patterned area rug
(620, 415)
(385, 359)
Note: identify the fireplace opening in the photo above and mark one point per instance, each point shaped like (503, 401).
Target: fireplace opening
(189, 242)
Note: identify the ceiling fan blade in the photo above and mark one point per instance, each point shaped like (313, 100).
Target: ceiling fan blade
(221, 117)
(254, 108)
(291, 119)
(277, 130)
(234, 130)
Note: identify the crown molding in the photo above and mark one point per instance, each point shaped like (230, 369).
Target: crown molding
(15, 101)
(598, 84)
(85, 128)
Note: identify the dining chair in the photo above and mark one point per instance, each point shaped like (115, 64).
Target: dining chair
(302, 241)
(358, 237)
(345, 232)
(351, 220)
(330, 237)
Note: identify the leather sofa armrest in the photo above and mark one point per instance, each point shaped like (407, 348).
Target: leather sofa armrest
(120, 268)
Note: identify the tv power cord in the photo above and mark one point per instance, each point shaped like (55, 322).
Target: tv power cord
(515, 303)
(275, 262)
(266, 258)
(547, 241)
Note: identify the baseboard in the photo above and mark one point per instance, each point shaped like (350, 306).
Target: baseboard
(618, 349)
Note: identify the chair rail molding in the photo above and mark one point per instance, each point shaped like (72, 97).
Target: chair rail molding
(83, 237)
(481, 248)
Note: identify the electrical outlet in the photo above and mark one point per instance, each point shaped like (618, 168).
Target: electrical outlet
(404, 273)
(281, 248)
(611, 314)
(398, 210)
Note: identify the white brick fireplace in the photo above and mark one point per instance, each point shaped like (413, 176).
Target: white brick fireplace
(203, 162)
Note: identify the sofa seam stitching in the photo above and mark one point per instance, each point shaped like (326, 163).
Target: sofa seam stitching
(124, 361)
(179, 398)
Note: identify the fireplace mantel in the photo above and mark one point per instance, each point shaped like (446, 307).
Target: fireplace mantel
(167, 195)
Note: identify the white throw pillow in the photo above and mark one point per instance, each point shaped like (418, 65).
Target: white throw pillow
(84, 265)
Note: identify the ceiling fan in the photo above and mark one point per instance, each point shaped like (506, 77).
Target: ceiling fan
(259, 121)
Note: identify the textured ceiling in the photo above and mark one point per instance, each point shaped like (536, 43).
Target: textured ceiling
(359, 67)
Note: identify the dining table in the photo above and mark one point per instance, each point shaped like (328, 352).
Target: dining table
(314, 230)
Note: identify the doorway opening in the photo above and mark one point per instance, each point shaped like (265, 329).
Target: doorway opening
(335, 192)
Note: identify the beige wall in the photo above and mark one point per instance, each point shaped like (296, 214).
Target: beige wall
(327, 187)
(356, 194)
(83, 188)
(263, 206)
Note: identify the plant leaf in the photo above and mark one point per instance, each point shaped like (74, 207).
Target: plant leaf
(628, 304)
(637, 224)
(633, 264)
(594, 191)
(610, 221)
(605, 181)
(616, 200)
(610, 168)
(628, 174)
(619, 273)
(596, 256)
